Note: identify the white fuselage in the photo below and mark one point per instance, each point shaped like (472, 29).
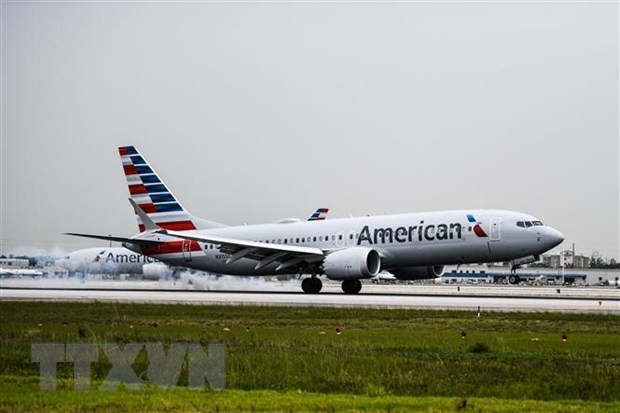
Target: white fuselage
(404, 240)
(105, 261)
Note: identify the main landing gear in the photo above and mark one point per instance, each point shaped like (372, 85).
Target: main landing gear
(351, 286)
(311, 285)
(513, 278)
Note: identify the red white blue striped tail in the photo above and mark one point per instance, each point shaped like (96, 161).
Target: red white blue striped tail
(153, 197)
(319, 215)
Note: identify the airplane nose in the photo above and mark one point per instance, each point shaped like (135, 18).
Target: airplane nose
(553, 237)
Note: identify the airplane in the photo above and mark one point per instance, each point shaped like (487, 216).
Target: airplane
(4, 272)
(409, 246)
(113, 261)
(383, 277)
(14, 267)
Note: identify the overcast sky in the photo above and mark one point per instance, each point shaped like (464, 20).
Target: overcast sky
(256, 112)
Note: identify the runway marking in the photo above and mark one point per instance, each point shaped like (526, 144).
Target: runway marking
(338, 293)
(330, 299)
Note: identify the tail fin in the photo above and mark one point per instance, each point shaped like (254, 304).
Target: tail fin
(318, 215)
(154, 198)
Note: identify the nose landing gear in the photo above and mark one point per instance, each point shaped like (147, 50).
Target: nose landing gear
(514, 279)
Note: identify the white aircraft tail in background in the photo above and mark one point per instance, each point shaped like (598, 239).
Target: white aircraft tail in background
(319, 215)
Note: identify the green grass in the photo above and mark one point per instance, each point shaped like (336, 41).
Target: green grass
(291, 357)
(262, 400)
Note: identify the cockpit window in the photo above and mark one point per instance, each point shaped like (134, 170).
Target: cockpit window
(527, 224)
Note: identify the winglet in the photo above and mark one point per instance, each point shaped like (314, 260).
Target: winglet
(148, 222)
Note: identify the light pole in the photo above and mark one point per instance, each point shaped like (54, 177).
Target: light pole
(563, 264)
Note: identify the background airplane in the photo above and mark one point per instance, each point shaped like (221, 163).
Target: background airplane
(4, 272)
(113, 261)
(384, 277)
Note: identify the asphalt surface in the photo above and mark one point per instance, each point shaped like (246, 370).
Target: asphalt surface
(234, 291)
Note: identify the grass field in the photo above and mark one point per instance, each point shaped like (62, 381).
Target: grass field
(292, 359)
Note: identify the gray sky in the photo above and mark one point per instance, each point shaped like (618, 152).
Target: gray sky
(256, 112)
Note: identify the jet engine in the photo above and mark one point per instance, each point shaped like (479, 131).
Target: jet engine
(418, 273)
(352, 264)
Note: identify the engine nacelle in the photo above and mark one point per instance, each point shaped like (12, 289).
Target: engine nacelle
(352, 264)
(418, 273)
(155, 271)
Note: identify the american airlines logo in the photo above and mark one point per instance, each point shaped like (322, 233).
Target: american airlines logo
(410, 233)
(127, 258)
(477, 228)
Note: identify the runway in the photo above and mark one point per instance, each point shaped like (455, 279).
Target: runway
(487, 298)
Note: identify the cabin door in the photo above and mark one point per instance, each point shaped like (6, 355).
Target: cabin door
(187, 250)
(496, 225)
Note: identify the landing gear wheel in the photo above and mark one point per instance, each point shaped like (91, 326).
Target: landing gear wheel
(311, 285)
(351, 286)
(514, 279)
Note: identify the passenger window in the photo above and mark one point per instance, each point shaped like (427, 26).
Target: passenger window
(297, 240)
(340, 237)
(350, 236)
(285, 241)
(303, 240)
(333, 237)
(321, 238)
(314, 239)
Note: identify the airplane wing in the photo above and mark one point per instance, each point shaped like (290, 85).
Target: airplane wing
(263, 252)
(116, 239)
